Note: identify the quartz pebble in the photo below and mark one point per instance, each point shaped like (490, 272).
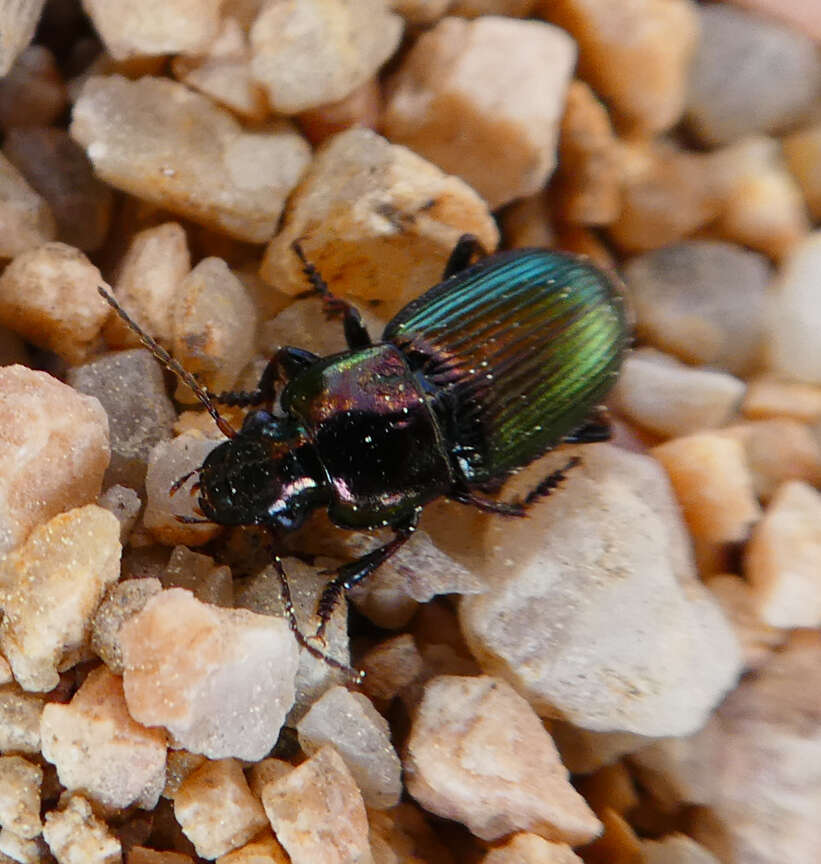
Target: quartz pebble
(402, 835)
(131, 388)
(60, 171)
(795, 314)
(702, 301)
(99, 750)
(483, 100)
(318, 51)
(20, 782)
(160, 141)
(361, 736)
(50, 587)
(389, 666)
(229, 697)
(216, 809)
(49, 296)
(636, 56)
(770, 396)
(179, 764)
(477, 753)
(25, 219)
(783, 558)
(19, 720)
(802, 151)
(76, 836)
(571, 631)
(755, 764)
(154, 26)
(675, 849)
(797, 14)
(378, 222)
(361, 107)
(713, 484)
(749, 74)
(125, 504)
(14, 848)
(263, 849)
(32, 93)
(671, 399)
(317, 812)
(526, 848)
(18, 21)
(50, 460)
(207, 581)
(619, 844)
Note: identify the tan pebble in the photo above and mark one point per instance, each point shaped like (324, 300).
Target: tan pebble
(263, 849)
(155, 26)
(76, 836)
(18, 22)
(160, 141)
(803, 154)
(14, 848)
(20, 782)
(403, 834)
(200, 574)
(265, 771)
(19, 720)
(531, 849)
(179, 764)
(529, 222)
(713, 483)
(26, 221)
(142, 855)
(49, 296)
(610, 787)
(475, 8)
(5, 673)
(618, 845)
(362, 107)
(318, 51)
(216, 809)
(32, 93)
(770, 396)
(483, 100)
(675, 849)
(125, 504)
(391, 665)
(421, 12)
(317, 812)
(51, 586)
(378, 221)
(121, 601)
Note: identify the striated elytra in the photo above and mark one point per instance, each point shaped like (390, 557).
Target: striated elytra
(498, 363)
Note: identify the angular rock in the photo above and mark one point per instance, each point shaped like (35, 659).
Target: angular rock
(19, 720)
(572, 632)
(361, 107)
(50, 587)
(749, 74)
(99, 751)
(199, 574)
(158, 140)
(769, 396)
(702, 301)
(263, 849)
(32, 93)
(179, 764)
(318, 51)
(362, 738)
(125, 504)
(15, 848)
(794, 13)
(478, 753)
(220, 680)
(216, 809)
(18, 21)
(378, 221)
(483, 100)
(317, 812)
(25, 219)
(802, 151)
(121, 602)
(389, 666)
(50, 459)
(20, 782)
(76, 836)
(526, 848)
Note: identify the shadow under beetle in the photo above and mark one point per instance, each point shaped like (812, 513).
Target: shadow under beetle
(488, 370)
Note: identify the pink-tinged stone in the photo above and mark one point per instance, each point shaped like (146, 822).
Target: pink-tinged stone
(263, 849)
(76, 836)
(99, 750)
(20, 782)
(19, 720)
(220, 680)
(526, 848)
(26, 221)
(53, 450)
(49, 589)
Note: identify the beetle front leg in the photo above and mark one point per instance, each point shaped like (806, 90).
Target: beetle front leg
(467, 248)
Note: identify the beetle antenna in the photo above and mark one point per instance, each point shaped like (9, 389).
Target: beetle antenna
(171, 364)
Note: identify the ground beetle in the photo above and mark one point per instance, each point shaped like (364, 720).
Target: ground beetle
(498, 363)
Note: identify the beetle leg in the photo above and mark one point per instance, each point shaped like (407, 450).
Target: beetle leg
(598, 428)
(355, 571)
(356, 333)
(466, 249)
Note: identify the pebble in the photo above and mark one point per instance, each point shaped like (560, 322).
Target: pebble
(362, 738)
(389, 666)
(477, 753)
(131, 388)
(49, 296)
(713, 484)
(50, 587)
(668, 398)
(141, 855)
(795, 314)
(703, 301)
(216, 809)
(636, 56)
(378, 221)
(618, 636)
(797, 14)
(25, 218)
(50, 460)
(317, 812)
(168, 461)
(125, 504)
(227, 698)
(318, 51)
(154, 27)
(483, 100)
(524, 848)
(76, 836)
(213, 324)
(802, 151)
(263, 849)
(20, 782)
(422, 13)
(201, 575)
(755, 764)
(610, 787)
(402, 835)
(99, 750)
(60, 171)
(675, 849)
(769, 396)
(19, 720)
(362, 107)
(32, 93)
(783, 558)
(749, 74)
(18, 22)
(160, 141)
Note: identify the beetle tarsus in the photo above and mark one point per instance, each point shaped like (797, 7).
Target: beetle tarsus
(550, 482)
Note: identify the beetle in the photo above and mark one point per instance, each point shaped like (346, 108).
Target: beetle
(508, 356)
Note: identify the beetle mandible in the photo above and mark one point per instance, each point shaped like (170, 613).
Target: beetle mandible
(505, 358)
